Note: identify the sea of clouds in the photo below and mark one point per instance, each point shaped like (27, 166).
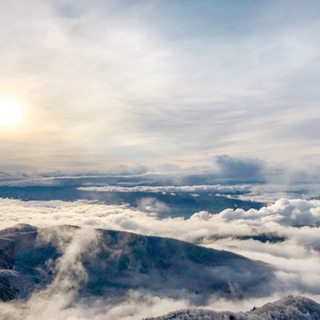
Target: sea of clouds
(292, 248)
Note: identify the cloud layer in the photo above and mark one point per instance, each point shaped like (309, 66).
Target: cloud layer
(297, 257)
(284, 234)
(153, 82)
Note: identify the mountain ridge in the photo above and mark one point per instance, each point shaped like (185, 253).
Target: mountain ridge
(113, 262)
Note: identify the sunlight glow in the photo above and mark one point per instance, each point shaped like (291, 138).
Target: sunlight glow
(10, 114)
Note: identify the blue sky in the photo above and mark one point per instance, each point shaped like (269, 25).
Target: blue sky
(110, 83)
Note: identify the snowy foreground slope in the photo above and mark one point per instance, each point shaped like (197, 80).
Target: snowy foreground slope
(289, 308)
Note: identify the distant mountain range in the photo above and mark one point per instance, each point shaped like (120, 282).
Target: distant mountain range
(289, 308)
(104, 262)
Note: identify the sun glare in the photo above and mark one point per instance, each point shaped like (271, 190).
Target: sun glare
(10, 114)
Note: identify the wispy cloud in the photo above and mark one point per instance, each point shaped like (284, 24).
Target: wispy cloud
(112, 82)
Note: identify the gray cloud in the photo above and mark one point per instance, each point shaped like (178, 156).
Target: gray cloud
(242, 170)
(148, 92)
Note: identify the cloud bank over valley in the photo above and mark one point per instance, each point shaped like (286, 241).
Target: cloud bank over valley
(283, 234)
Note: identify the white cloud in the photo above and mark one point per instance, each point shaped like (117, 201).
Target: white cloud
(170, 189)
(294, 220)
(296, 258)
(149, 204)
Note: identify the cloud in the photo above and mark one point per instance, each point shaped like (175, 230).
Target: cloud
(296, 257)
(170, 189)
(149, 204)
(242, 170)
(147, 91)
(294, 220)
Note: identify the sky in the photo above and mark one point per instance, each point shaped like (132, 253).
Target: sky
(104, 84)
(194, 120)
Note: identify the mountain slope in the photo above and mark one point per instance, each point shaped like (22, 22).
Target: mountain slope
(106, 262)
(289, 308)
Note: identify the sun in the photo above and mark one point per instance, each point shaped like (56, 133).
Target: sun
(10, 114)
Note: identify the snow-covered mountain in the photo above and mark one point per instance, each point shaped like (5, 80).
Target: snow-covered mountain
(289, 308)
